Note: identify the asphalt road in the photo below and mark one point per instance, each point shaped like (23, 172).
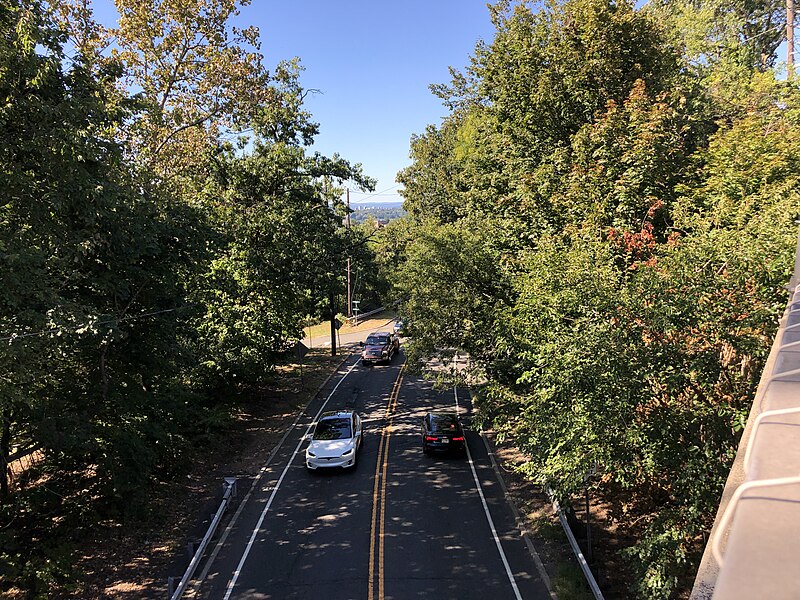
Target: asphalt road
(402, 525)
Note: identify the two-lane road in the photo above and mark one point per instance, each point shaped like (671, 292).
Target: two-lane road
(402, 525)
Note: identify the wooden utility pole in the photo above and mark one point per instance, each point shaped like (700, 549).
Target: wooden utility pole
(790, 38)
(334, 324)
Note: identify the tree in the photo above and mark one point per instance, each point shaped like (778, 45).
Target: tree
(137, 244)
(90, 281)
(626, 238)
(281, 248)
(199, 78)
(716, 33)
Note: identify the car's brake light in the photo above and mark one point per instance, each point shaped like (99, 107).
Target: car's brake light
(458, 439)
(430, 438)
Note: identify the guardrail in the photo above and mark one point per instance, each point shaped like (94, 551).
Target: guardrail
(756, 541)
(576, 550)
(228, 496)
(355, 318)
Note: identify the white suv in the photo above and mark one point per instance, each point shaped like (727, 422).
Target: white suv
(335, 441)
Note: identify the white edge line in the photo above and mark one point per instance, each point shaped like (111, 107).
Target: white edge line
(232, 523)
(221, 542)
(488, 515)
(520, 523)
(253, 535)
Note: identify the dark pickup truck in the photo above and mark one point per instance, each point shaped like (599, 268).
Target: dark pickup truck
(379, 347)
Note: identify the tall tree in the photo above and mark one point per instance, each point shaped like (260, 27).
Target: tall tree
(200, 77)
(746, 33)
(624, 266)
(90, 285)
(281, 247)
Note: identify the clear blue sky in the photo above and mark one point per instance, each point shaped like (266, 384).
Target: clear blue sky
(372, 61)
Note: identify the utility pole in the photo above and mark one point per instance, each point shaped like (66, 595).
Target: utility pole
(334, 324)
(790, 39)
(349, 297)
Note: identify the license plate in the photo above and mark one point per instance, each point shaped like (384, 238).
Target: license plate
(444, 440)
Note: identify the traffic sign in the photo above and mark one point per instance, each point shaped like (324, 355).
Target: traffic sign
(300, 350)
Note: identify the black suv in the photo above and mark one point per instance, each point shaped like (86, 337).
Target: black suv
(442, 432)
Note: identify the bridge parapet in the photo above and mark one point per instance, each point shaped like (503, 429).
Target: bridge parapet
(755, 542)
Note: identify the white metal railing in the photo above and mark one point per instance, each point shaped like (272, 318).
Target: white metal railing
(576, 550)
(756, 540)
(742, 493)
(227, 497)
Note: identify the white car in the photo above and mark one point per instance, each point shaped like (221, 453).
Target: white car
(335, 441)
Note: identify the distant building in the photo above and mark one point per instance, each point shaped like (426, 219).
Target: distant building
(382, 214)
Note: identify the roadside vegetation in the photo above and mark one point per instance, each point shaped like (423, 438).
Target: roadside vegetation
(165, 234)
(605, 222)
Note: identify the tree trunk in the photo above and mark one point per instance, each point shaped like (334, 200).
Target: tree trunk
(790, 38)
(5, 452)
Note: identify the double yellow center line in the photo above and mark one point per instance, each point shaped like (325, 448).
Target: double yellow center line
(379, 495)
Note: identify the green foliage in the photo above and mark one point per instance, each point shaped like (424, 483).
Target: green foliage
(724, 34)
(451, 285)
(569, 583)
(375, 215)
(151, 271)
(609, 238)
(431, 182)
(279, 240)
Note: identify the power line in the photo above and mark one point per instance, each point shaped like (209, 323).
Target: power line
(377, 193)
(371, 195)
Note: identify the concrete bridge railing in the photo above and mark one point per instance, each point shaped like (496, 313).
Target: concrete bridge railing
(754, 547)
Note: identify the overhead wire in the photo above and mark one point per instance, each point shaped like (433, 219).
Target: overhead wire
(376, 193)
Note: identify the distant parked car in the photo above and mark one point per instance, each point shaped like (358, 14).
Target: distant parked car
(442, 432)
(379, 347)
(399, 326)
(335, 441)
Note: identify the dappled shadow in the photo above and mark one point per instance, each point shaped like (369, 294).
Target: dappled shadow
(434, 533)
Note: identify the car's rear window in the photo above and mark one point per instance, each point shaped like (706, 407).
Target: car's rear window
(333, 429)
(443, 423)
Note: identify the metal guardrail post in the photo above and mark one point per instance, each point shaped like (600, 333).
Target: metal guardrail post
(229, 493)
(587, 572)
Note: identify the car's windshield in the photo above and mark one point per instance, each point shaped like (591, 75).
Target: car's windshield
(443, 423)
(377, 340)
(333, 429)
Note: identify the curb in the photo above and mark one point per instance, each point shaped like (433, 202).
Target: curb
(523, 530)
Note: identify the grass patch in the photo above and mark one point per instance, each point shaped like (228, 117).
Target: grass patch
(570, 584)
(543, 527)
(318, 330)
(368, 324)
